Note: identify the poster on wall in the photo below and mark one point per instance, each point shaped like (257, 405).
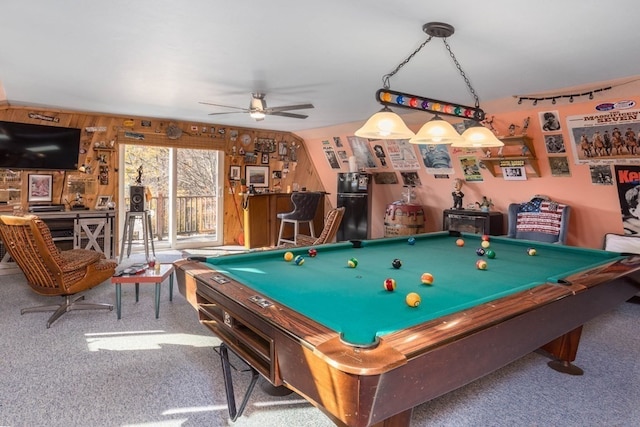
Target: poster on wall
(401, 154)
(436, 159)
(470, 168)
(362, 153)
(605, 137)
(331, 157)
(628, 181)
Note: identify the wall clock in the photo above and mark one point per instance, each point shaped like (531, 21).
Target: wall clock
(245, 139)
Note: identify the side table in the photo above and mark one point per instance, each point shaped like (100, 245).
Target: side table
(149, 275)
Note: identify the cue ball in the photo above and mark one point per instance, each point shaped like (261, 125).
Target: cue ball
(313, 253)
(531, 251)
(396, 263)
(480, 251)
(485, 244)
(299, 260)
(413, 299)
(353, 263)
(481, 264)
(490, 253)
(389, 284)
(485, 237)
(460, 242)
(288, 256)
(426, 278)
(411, 240)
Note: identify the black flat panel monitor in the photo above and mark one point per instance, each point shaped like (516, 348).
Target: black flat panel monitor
(29, 146)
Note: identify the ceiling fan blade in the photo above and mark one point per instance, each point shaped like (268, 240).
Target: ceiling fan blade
(227, 112)
(225, 106)
(285, 114)
(290, 107)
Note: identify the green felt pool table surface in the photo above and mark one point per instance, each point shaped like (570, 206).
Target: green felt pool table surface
(353, 302)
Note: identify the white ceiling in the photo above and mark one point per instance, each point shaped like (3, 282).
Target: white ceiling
(160, 58)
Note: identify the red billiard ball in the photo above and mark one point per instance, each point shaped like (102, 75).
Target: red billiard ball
(313, 253)
(481, 264)
(426, 278)
(389, 284)
(485, 237)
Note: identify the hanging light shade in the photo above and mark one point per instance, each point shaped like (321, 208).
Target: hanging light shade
(385, 124)
(436, 131)
(478, 136)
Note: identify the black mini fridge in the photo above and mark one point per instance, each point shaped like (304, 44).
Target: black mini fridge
(354, 193)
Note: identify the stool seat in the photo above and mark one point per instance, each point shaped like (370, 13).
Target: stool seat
(305, 205)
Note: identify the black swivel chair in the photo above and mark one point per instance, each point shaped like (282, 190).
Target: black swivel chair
(305, 204)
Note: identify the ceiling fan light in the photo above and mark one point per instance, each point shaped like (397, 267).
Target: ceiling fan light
(257, 115)
(478, 136)
(436, 131)
(385, 124)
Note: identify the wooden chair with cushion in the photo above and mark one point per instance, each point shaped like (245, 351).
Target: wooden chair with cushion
(331, 224)
(540, 219)
(50, 271)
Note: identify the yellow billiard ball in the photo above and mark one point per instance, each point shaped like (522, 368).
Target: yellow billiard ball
(460, 242)
(531, 251)
(288, 256)
(413, 299)
(485, 244)
(426, 278)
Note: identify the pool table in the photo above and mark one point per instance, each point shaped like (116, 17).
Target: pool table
(361, 354)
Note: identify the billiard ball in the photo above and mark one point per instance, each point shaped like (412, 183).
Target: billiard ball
(426, 278)
(490, 253)
(411, 240)
(485, 237)
(288, 256)
(389, 284)
(299, 260)
(481, 264)
(531, 251)
(413, 299)
(396, 263)
(460, 242)
(480, 252)
(485, 244)
(353, 263)
(313, 253)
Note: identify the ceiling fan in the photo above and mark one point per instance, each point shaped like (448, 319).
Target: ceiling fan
(258, 108)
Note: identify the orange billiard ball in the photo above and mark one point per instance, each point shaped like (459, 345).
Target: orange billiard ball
(389, 285)
(460, 242)
(481, 264)
(426, 278)
(288, 256)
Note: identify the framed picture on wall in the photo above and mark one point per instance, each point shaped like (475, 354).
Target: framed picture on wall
(103, 202)
(258, 176)
(40, 188)
(234, 173)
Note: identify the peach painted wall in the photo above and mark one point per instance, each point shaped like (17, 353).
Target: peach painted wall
(595, 208)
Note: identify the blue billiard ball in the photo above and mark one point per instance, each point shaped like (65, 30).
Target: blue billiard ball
(411, 240)
(480, 251)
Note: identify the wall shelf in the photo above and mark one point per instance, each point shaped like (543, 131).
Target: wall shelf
(513, 149)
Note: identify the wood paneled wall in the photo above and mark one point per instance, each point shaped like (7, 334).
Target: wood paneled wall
(103, 133)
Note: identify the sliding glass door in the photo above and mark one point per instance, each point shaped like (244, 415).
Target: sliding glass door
(183, 193)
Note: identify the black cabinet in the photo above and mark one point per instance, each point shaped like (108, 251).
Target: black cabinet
(470, 221)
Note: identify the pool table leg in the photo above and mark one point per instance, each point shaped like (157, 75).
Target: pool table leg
(564, 349)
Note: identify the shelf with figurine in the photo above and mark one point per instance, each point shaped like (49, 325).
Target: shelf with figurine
(518, 150)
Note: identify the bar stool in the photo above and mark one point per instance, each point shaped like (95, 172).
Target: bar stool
(127, 234)
(305, 205)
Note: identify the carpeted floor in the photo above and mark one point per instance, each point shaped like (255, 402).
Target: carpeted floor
(90, 369)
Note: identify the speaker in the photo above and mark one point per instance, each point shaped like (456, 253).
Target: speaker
(137, 200)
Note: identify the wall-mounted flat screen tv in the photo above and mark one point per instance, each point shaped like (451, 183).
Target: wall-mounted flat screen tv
(29, 146)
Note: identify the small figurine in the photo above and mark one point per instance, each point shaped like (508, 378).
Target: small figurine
(139, 178)
(485, 204)
(512, 129)
(457, 194)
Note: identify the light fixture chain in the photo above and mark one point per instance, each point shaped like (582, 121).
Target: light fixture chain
(464, 76)
(386, 77)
